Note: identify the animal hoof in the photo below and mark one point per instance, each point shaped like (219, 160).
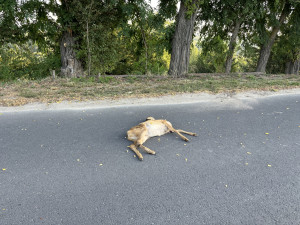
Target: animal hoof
(186, 140)
(141, 159)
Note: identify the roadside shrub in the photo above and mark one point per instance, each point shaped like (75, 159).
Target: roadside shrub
(25, 61)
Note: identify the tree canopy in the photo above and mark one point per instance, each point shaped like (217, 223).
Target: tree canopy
(86, 38)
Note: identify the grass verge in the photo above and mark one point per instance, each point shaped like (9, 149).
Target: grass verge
(21, 92)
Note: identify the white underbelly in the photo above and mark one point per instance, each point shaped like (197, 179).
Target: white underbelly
(156, 129)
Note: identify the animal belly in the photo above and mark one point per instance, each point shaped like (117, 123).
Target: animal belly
(156, 129)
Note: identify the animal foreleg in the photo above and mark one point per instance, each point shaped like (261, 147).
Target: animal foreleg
(148, 150)
(136, 151)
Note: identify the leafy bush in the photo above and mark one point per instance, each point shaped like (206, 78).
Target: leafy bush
(25, 61)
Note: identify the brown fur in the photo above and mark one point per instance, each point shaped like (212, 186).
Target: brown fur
(140, 133)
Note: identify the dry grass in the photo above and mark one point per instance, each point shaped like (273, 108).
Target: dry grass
(27, 91)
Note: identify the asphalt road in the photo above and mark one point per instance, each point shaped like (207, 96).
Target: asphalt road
(73, 166)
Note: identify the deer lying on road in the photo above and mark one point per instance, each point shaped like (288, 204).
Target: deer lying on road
(151, 128)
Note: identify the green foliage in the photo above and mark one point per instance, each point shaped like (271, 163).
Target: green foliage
(25, 61)
(143, 41)
(129, 37)
(287, 47)
(8, 21)
(211, 58)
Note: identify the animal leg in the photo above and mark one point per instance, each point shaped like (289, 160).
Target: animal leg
(148, 150)
(186, 132)
(136, 151)
(172, 129)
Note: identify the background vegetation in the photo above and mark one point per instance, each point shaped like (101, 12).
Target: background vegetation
(131, 37)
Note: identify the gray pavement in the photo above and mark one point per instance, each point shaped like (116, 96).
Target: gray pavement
(74, 167)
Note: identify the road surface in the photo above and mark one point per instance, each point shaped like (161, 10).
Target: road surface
(73, 166)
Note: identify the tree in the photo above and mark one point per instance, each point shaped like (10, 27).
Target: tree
(82, 31)
(228, 19)
(183, 36)
(8, 21)
(285, 54)
(268, 38)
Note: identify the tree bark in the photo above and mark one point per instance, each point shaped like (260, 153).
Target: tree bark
(297, 67)
(232, 45)
(292, 67)
(180, 55)
(70, 65)
(287, 67)
(265, 49)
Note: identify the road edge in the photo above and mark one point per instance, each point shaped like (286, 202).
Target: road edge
(184, 98)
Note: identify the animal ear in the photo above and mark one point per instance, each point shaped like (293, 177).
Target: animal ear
(150, 118)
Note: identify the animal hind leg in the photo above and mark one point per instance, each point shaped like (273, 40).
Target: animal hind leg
(186, 132)
(172, 129)
(136, 151)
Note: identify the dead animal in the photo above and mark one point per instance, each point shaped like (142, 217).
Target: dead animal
(151, 128)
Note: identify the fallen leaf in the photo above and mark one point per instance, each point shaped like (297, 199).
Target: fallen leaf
(266, 133)
(100, 164)
(269, 165)
(249, 153)
(78, 160)
(158, 139)
(186, 159)
(3, 169)
(226, 185)
(134, 156)
(184, 144)
(246, 164)
(177, 154)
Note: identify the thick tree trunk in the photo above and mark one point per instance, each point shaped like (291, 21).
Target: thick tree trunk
(265, 49)
(181, 43)
(232, 45)
(292, 67)
(70, 65)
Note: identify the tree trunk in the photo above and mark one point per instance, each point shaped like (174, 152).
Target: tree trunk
(232, 45)
(70, 65)
(181, 43)
(287, 67)
(146, 49)
(266, 48)
(292, 67)
(297, 67)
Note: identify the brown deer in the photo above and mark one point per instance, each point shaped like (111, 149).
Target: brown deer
(151, 128)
